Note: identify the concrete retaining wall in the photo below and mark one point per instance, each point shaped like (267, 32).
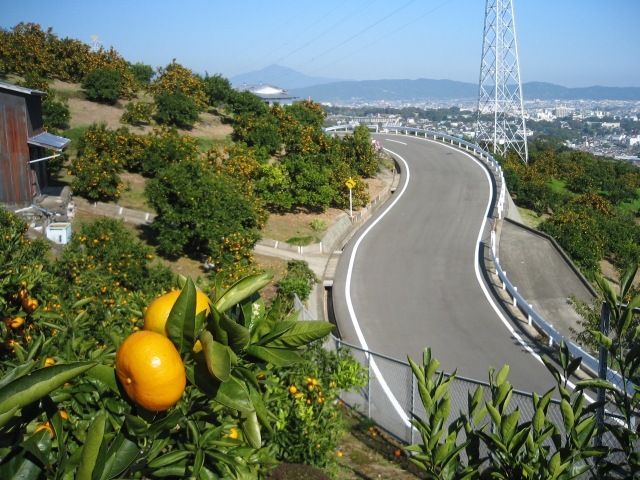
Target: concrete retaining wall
(114, 211)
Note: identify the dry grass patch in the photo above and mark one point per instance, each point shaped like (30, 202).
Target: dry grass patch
(283, 226)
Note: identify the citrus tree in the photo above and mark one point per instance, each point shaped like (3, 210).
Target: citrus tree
(185, 396)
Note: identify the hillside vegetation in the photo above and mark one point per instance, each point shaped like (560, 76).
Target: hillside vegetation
(113, 367)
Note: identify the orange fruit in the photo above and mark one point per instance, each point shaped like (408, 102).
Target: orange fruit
(29, 304)
(49, 362)
(23, 294)
(234, 433)
(397, 453)
(46, 426)
(156, 316)
(64, 415)
(15, 322)
(292, 389)
(151, 370)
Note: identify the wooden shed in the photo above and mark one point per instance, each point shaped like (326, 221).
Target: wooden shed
(23, 145)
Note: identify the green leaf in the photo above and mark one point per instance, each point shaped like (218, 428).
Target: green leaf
(137, 425)
(169, 458)
(574, 365)
(167, 423)
(564, 354)
(609, 295)
(181, 323)
(502, 375)
(172, 471)
(20, 466)
(238, 336)
(552, 369)
(123, 450)
(5, 417)
(17, 372)
(106, 375)
(240, 290)
(217, 357)
(627, 279)
(567, 414)
(81, 303)
(538, 420)
(508, 426)
(302, 333)
(276, 356)
(628, 314)
(602, 339)
(28, 389)
(261, 411)
(595, 383)
(278, 330)
(39, 444)
(251, 429)
(234, 394)
(91, 448)
(495, 415)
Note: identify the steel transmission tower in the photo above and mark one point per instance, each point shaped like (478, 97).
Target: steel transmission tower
(500, 91)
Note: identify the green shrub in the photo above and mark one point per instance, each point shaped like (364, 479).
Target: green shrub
(299, 279)
(310, 424)
(218, 89)
(142, 73)
(201, 212)
(176, 108)
(102, 85)
(137, 113)
(318, 224)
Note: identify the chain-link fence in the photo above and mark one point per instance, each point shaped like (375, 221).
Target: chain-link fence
(391, 396)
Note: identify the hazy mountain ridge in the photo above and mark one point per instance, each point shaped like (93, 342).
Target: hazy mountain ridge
(280, 76)
(425, 89)
(335, 90)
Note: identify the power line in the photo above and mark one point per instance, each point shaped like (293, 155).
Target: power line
(383, 37)
(292, 39)
(352, 37)
(279, 27)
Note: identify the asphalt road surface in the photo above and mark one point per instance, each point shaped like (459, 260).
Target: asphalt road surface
(413, 282)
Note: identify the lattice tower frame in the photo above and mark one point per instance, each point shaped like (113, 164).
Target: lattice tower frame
(500, 87)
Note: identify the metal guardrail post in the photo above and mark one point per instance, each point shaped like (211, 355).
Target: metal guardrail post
(605, 320)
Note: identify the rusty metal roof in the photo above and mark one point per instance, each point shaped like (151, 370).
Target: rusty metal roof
(16, 88)
(50, 141)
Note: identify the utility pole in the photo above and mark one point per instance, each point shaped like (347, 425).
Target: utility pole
(500, 88)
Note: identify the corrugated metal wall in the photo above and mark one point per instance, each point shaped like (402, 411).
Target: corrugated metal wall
(15, 181)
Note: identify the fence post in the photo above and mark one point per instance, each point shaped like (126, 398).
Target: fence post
(413, 404)
(368, 355)
(602, 371)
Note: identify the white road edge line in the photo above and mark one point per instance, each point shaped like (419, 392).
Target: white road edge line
(396, 141)
(352, 313)
(477, 269)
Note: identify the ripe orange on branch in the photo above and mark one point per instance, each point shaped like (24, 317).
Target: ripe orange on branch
(156, 316)
(151, 370)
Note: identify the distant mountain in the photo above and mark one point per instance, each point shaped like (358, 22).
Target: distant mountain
(549, 91)
(279, 76)
(371, 90)
(425, 90)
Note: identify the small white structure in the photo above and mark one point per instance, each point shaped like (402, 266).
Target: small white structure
(269, 94)
(59, 233)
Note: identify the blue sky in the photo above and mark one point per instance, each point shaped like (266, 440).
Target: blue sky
(574, 43)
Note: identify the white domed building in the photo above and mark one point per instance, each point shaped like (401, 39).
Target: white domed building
(269, 94)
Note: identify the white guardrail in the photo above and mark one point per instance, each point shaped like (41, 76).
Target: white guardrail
(518, 301)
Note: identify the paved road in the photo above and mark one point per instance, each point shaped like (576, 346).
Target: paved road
(414, 282)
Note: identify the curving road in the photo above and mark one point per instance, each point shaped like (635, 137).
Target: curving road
(413, 281)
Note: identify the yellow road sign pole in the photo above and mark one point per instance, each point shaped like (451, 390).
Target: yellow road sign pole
(350, 183)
